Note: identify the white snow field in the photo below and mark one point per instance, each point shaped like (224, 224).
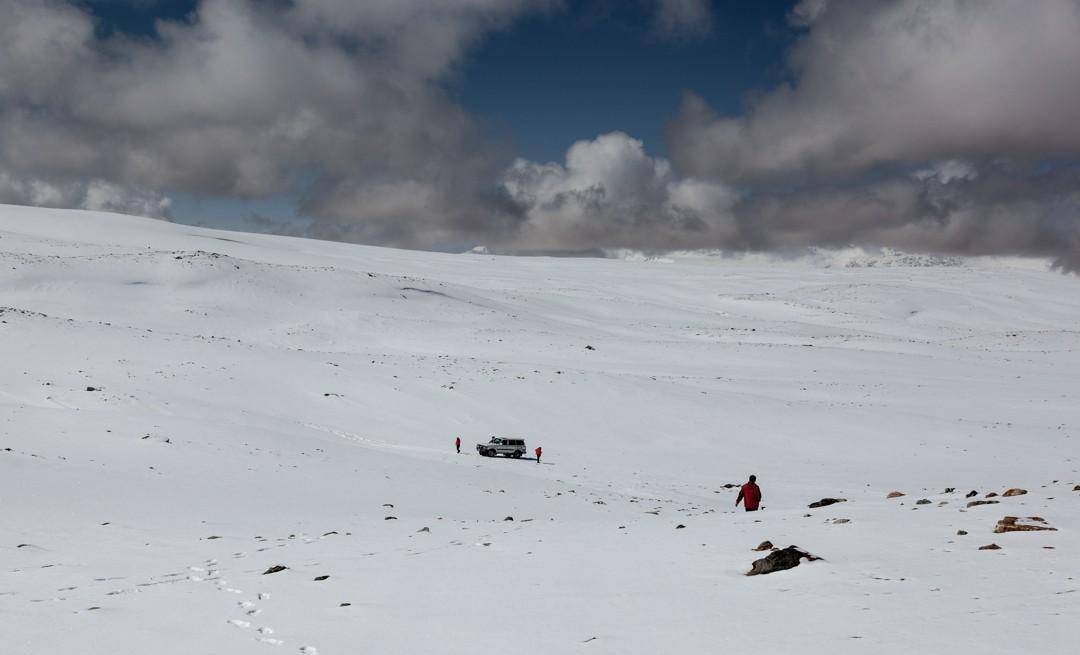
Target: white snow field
(262, 401)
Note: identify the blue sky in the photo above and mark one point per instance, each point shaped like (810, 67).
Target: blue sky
(571, 73)
(538, 125)
(549, 80)
(558, 77)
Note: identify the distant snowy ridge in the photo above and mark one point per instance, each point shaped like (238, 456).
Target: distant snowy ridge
(849, 257)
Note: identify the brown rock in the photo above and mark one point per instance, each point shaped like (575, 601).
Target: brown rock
(1009, 524)
(990, 547)
(992, 494)
(895, 494)
(1014, 492)
(765, 545)
(976, 503)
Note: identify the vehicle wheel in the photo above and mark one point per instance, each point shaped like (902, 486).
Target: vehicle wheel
(517, 454)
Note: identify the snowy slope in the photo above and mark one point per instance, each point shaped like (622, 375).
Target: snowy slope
(261, 400)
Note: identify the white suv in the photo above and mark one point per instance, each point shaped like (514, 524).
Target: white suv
(502, 446)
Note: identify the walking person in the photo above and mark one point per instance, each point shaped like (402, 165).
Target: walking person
(750, 495)
(457, 444)
(539, 451)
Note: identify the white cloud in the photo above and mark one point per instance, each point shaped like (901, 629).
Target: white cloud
(610, 193)
(681, 19)
(903, 82)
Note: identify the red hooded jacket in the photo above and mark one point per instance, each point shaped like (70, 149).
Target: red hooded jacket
(750, 494)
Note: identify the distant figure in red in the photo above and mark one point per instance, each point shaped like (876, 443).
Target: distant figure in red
(457, 444)
(750, 494)
(539, 451)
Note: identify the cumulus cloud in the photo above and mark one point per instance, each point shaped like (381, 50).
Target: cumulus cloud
(251, 98)
(95, 194)
(906, 81)
(610, 193)
(945, 125)
(942, 125)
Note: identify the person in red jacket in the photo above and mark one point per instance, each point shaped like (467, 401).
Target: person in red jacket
(538, 451)
(457, 444)
(750, 495)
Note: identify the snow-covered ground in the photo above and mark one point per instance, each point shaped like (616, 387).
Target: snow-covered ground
(262, 401)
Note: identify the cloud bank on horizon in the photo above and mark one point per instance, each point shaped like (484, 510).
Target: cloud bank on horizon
(947, 126)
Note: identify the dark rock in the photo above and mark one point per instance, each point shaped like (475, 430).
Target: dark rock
(91, 388)
(589, 348)
(1014, 492)
(424, 529)
(825, 502)
(841, 521)
(320, 578)
(387, 504)
(976, 503)
(971, 494)
(390, 518)
(990, 547)
(344, 604)
(992, 494)
(277, 568)
(765, 545)
(1076, 488)
(949, 490)
(509, 518)
(780, 560)
(922, 501)
(214, 536)
(680, 526)
(327, 534)
(961, 532)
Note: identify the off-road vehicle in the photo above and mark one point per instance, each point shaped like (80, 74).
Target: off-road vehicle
(502, 446)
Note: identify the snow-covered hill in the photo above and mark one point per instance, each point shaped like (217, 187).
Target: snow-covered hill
(181, 409)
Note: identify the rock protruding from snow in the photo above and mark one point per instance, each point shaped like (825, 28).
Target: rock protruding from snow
(1014, 492)
(825, 502)
(895, 494)
(765, 545)
(780, 560)
(1010, 524)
